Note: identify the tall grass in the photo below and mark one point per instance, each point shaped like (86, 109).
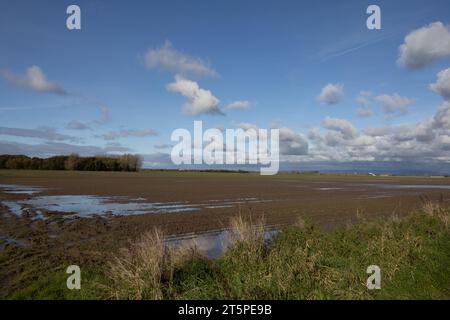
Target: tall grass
(144, 269)
(301, 262)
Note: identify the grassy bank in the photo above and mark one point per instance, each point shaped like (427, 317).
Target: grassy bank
(301, 262)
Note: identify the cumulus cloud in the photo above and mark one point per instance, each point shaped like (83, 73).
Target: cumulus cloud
(441, 119)
(422, 132)
(34, 79)
(39, 133)
(425, 45)
(292, 143)
(332, 93)
(394, 104)
(169, 59)
(240, 104)
(112, 135)
(343, 126)
(377, 131)
(442, 85)
(199, 101)
(426, 140)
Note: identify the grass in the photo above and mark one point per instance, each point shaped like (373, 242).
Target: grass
(300, 262)
(303, 262)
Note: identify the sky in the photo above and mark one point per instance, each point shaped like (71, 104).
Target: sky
(136, 71)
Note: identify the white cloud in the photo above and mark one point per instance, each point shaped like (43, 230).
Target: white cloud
(425, 45)
(442, 85)
(426, 140)
(199, 101)
(441, 119)
(291, 143)
(35, 80)
(394, 103)
(343, 126)
(332, 93)
(240, 104)
(169, 59)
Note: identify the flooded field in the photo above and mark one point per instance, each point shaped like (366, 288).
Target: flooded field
(84, 217)
(182, 203)
(86, 206)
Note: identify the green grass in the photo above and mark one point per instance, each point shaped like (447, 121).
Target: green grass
(301, 262)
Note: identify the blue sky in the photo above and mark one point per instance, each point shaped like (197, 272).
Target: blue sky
(274, 57)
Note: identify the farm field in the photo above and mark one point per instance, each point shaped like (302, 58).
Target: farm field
(52, 218)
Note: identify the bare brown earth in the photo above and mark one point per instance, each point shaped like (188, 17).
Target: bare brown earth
(328, 200)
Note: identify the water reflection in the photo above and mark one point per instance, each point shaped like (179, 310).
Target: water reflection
(89, 205)
(211, 244)
(16, 189)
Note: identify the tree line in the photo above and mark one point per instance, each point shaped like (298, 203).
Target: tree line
(126, 162)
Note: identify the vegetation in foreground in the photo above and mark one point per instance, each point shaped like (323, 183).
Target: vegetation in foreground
(301, 262)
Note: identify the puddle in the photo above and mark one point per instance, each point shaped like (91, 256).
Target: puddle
(90, 205)
(211, 244)
(16, 189)
(13, 207)
(405, 186)
(379, 196)
(39, 216)
(416, 186)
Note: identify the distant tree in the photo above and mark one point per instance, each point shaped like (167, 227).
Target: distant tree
(126, 162)
(71, 162)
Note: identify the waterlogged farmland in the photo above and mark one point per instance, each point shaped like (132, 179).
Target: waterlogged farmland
(49, 219)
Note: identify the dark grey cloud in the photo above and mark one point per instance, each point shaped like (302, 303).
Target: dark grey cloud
(49, 149)
(45, 133)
